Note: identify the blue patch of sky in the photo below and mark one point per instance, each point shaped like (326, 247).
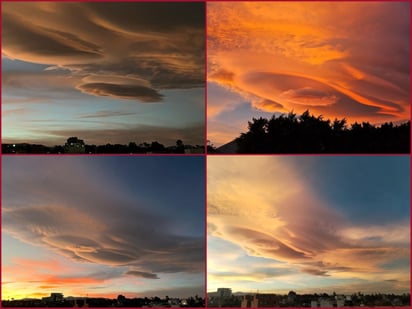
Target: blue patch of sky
(401, 263)
(12, 247)
(216, 94)
(263, 262)
(18, 65)
(217, 245)
(173, 186)
(220, 245)
(368, 189)
(242, 113)
(179, 109)
(242, 110)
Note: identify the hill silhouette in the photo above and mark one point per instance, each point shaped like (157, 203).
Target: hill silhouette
(310, 134)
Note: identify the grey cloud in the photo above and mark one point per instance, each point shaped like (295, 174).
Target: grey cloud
(137, 92)
(321, 268)
(157, 17)
(142, 274)
(167, 79)
(315, 271)
(22, 37)
(193, 249)
(74, 40)
(106, 113)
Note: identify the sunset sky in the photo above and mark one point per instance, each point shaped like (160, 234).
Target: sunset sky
(104, 72)
(103, 226)
(309, 224)
(346, 60)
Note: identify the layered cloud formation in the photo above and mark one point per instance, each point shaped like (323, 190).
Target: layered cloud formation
(113, 220)
(136, 48)
(276, 222)
(337, 59)
(142, 62)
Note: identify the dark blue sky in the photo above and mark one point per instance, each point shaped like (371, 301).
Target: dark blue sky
(365, 188)
(174, 186)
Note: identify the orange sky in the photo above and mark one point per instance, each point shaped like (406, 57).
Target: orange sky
(346, 60)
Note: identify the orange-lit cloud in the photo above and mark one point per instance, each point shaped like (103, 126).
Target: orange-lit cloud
(25, 277)
(261, 217)
(347, 59)
(264, 207)
(161, 44)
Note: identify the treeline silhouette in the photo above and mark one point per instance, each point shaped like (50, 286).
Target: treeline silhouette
(74, 145)
(310, 134)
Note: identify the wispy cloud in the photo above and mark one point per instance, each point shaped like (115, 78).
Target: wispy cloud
(142, 274)
(106, 113)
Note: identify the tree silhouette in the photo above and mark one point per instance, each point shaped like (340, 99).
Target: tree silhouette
(310, 134)
(180, 147)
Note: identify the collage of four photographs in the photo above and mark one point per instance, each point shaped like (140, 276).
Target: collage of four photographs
(205, 154)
